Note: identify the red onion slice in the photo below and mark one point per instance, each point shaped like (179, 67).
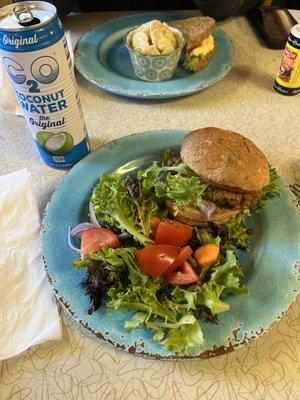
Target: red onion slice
(70, 242)
(207, 208)
(123, 235)
(84, 226)
(93, 217)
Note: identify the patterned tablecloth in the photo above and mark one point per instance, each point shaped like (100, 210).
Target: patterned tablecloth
(82, 367)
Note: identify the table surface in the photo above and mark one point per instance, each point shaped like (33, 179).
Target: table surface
(82, 367)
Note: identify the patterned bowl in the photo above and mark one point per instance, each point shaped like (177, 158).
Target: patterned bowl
(155, 68)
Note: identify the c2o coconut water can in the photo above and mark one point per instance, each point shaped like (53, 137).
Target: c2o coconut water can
(35, 55)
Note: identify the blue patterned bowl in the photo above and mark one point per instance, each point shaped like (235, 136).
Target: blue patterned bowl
(155, 68)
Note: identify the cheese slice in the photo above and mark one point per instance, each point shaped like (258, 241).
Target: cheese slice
(206, 46)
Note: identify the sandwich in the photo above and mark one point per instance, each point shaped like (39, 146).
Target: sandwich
(200, 43)
(234, 170)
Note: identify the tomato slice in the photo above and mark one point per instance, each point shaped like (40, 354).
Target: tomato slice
(183, 255)
(154, 259)
(93, 239)
(185, 276)
(173, 232)
(155, 221)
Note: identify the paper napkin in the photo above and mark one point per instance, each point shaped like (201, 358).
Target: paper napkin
(28, 309)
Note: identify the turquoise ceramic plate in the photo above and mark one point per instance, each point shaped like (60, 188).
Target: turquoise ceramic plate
(270, 265)
(102, 58)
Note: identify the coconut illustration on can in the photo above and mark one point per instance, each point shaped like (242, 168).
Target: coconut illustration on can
(57, 144)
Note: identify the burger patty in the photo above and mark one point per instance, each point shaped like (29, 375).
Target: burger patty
(232, 200)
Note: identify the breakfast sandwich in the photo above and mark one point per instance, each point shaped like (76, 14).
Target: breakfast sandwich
(200, 43)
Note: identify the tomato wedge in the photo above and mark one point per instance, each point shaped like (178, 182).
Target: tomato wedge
(155, 259)
(185, 276)
(93, 239)
(173, 232)
(155, 221)
(183, 255)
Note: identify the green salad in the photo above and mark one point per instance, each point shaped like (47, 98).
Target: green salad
(139, 257)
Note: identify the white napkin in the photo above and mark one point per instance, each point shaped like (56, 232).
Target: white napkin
(28, 309)
(8, 101)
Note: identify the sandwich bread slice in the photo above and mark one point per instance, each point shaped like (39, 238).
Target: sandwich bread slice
(200, 43)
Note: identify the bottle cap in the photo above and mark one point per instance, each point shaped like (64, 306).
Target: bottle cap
(295, 31)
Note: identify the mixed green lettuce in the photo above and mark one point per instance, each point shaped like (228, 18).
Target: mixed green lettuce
(169, 311)
(114, 206)
(172, 312)
(178, 183)
(129, 205)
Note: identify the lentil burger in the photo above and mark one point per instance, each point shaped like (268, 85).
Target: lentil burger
(232, 166)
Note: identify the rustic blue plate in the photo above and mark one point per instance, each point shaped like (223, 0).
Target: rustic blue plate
(271, 267)
(102, 58)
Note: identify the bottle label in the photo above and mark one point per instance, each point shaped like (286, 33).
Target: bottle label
(289, 71)
(45, 87)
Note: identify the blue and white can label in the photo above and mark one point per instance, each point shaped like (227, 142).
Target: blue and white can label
(39, 65)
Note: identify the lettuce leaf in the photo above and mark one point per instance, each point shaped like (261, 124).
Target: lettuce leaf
(82, 263)
(145, 204)
(192, 63)
(238, 234)
(270, 191)
(207, 295)
(143, 298)
(177, 182)
(184, 190)
(228, 275)
(174, 326)
(136, 321)
(115, 207)
(188, 335)
(179, 337)
(205, 236)
(122, 257)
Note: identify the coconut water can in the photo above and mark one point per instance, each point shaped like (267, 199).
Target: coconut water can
(35, 55)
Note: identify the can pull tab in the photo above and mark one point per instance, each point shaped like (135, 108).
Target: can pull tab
(23, 14)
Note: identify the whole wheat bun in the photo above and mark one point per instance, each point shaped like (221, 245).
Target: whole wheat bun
(225, 159)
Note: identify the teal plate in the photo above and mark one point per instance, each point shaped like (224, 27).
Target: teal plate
(271, 266)
(102, 58)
